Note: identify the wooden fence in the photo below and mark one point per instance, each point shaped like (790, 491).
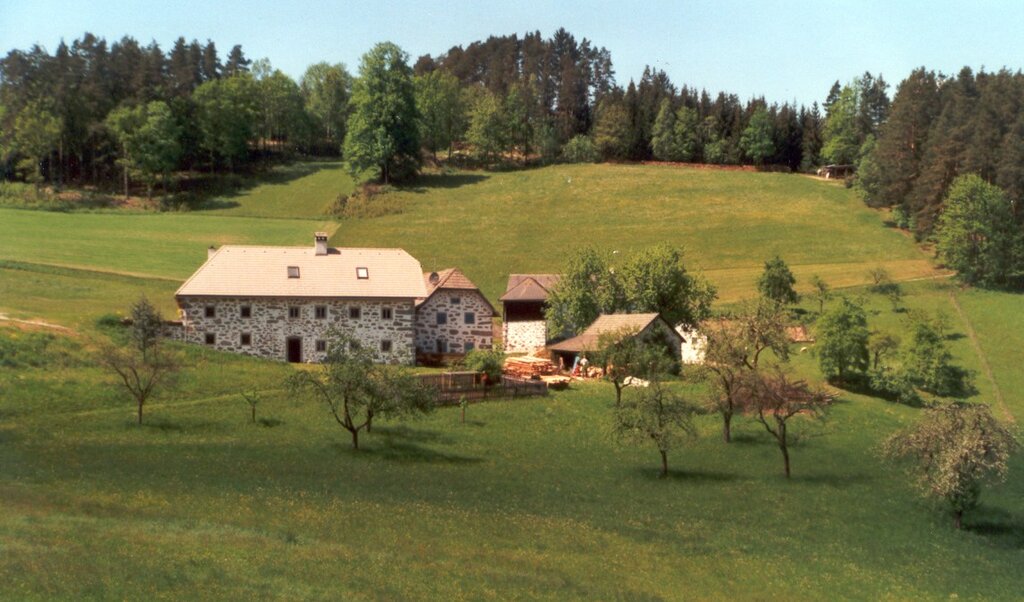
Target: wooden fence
(451, 387)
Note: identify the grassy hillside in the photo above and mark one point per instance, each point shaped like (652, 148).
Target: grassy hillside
(145, 244)
(728, 221)
(301, 190)
(528, 498)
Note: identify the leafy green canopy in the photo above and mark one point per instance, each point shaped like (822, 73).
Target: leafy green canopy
(979, 235)
(383, 132)
(843, 340)
(654, 279)
(776, 283)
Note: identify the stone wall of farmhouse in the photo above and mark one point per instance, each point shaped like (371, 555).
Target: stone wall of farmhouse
(527, 336)
(456, 332)
(269, 325)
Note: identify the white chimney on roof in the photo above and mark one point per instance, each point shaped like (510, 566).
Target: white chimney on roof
(321, 243)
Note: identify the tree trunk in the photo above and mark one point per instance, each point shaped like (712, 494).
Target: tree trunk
(369, 420)
(126, 182)
(664, 464)
(618, 394)
(958, 517)
(727, 427)
(355, 439)
(785, 457)
(140, 412)
(254, 414)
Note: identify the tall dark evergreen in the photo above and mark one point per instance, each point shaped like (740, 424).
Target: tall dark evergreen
(901, 140)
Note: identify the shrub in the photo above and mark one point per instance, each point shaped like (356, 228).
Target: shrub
(488, 361)
(369, 200)
(580, 149)
(894, 384)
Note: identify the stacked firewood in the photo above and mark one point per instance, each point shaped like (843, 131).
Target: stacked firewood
(528, 367)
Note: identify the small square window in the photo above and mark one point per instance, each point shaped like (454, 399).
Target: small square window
(385, 346)
(320, 311)
(469, 317)
(442, 318)
(362, 273)
(469, 347)
(211, 338)
(456, 300)
(246, 339)
(210, 311)
(354, 312)
(294, 312)
(321, 346)
(442, 346)
(245, 311)
(385, 313)
(293, 271)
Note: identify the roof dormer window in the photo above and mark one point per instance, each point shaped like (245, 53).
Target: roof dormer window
(293, 271)
(363, 273)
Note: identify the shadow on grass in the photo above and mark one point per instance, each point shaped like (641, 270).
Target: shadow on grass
(168, 426)
(415, 454)
(694, 476)
(997, 525)
(427, 182)
(270, 422)
(832, 480)
(406, 433)
(751, 439)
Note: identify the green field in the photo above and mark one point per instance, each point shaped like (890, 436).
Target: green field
(729, 223)
(528, 499)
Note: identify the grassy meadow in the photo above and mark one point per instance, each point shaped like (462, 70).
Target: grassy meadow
(529, 498)
(729, 222)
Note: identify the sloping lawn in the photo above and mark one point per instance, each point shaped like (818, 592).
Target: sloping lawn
(490, 224)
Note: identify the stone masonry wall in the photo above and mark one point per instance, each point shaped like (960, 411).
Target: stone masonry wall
(527, 336)
(269, 325)
(455, 332)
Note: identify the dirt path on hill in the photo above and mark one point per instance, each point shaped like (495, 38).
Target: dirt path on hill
(35, 323)
(973, 336)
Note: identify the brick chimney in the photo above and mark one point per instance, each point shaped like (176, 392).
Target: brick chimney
(320, 243)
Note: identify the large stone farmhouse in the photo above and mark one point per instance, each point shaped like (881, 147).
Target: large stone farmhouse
(282, 302)
(454, 317)
(524, 327)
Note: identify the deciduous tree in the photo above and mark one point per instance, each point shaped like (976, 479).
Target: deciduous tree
(954, 451)
(979, 236)
(757, 140)
(655, 414)
(843, 340)
(776, 282)
(383, 132)
(355, 389)
(774, 398)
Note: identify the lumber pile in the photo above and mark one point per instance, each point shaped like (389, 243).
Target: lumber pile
(528, 367)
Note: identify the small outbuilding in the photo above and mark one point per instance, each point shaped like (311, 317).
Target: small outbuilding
(651, 327)
(524, 325)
